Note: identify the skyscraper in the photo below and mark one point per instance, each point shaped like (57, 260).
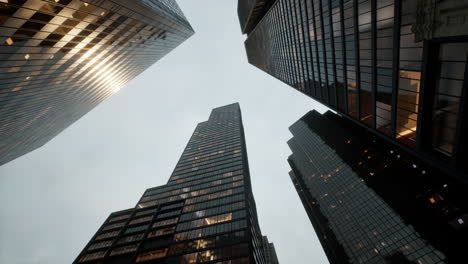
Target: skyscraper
(59, 59)
(206, 212)
(372, 202)
(270, 252)
(396, 67)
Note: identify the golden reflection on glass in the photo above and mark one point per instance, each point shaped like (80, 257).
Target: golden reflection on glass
(218, 219)
(408, 103)
(75, 54)
(155, 254)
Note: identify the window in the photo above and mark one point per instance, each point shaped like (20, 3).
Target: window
(447, 97)
(107, 235)
(119, 217)
(124, 250)
(409, 78)
(136, 229)
(166, 222)
(100, 245)
(129, 239)
(112, 226)
(162, 232)
(92, 256)
(141, 220)
(155, 254)
(218, 219)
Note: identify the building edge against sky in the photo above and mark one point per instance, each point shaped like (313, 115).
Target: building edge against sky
(206, 213)
(396, 67)
(60, 59)
(372, 202)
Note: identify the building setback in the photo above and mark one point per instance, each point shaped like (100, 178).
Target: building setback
(396, 67)
(372, 202)
(59, 59)
(206, 212)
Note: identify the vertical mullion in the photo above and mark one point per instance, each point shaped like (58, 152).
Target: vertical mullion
(301, 46)
(317, 59)
(283, 28)
(425, 109)
(357, 63)
(345, 74)
(374, 62)
(396, 65)
(460, 146)
(324, 51)
(306, 45)
(290, 33)
(333, 60)
(309, 46)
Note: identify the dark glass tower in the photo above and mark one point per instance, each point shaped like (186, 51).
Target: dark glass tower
(396, 67)
(61, 58)
(371, 202)
(205, 213)
(270, 252)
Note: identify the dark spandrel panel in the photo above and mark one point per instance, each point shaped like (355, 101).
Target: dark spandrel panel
(59, 59)
(373, 201)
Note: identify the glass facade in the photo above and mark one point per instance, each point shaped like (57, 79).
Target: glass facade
(371, 202)
(204, 214)
(364, 59)
(251, 11)
(61, 58)
(270, 252)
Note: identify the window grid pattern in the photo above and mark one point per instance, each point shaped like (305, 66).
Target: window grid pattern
(359, 57)
(206, 207)
(59, 59)
(355, 215)
(409, 83)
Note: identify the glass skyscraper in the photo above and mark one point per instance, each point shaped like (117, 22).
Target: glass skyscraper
(61, 58)
(270, 252)
(206, 212)
(372, 202)
(396, 67)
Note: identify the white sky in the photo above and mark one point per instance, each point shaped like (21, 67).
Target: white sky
(54, 199)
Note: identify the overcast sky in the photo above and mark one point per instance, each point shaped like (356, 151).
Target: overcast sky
(54, 199)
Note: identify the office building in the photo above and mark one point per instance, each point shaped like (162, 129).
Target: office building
(61, 58)
(206, 212)
(396, 67)
(372, 202)
(270, 252)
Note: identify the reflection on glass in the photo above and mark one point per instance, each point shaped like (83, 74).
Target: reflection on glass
(409, 77)
(449, 85)
(70, 56)
(155, 254)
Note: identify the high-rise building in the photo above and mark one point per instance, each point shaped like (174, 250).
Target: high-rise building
(396, 67)
(61, 58)
(372, 202)
(270, 252)
(206, 212)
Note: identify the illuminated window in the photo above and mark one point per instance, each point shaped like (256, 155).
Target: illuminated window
(9, 41)
(155, 254)
(218, 219)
